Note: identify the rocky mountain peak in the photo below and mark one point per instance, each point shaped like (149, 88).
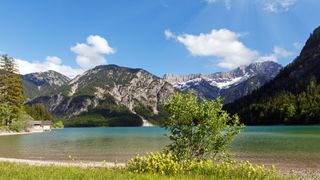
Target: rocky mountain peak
(264, 67)
(222, 83)
(43, 83)
(172, 78)
(50, 77)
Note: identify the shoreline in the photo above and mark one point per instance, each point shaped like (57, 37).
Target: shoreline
(62, 163)
(18, 133)
(300, 172)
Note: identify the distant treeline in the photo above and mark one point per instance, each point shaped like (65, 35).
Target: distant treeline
(302, 106)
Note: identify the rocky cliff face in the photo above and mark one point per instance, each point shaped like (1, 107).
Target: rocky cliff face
(229, 85)
(125, 86)
(43, 83)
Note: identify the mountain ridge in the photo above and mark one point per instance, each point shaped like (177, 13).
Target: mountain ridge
(211, 86)
(43, 83)
(112, 89)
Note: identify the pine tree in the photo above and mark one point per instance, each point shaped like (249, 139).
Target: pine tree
(11, 91)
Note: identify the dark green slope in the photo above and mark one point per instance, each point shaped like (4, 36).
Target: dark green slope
(292, 97)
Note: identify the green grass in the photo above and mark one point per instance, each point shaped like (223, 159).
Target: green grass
(28, 172)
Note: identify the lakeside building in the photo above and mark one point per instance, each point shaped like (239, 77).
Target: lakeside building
(40, 126)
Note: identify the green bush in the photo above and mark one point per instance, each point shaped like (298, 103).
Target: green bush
(168, 164)
(5, 113)
(16, 125)
(22, 122)
(158, 163)
(58, 124)
(4, 128)
(199, 129)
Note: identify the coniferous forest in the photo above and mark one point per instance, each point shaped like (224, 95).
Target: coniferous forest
(292, 97)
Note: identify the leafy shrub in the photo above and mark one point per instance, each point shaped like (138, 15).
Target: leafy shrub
(199, 129)
(16, 125)
(22, 122)
(4, 128)
(158, 163)
(58, 124)
(168, 164)
(5, 113)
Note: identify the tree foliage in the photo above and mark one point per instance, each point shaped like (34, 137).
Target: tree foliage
(144, 110)
(199, 129)
(11, 91)
(283, 107)
(38, 112)
(12, 88)
(5, 113)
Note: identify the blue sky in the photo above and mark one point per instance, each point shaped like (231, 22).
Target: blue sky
(161, 36)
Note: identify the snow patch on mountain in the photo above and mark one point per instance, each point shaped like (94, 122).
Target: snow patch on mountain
(222, 80)
(226, 84)
(229, 85)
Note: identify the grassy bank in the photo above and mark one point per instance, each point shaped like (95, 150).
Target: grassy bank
(19, 171)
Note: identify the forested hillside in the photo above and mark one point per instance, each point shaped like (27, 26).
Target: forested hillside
(292, 97)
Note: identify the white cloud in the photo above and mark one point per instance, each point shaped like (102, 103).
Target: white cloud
(51, 63)
(53, 59)
(91, 53)
(278, 5)
(298, 45)
(281, 53)
(168, 34)
(222, 44)
(277, 54)
(225, 46)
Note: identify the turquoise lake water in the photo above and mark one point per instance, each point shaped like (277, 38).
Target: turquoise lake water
(292, 145)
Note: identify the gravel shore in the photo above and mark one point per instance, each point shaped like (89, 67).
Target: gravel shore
(64, 164)
(301, 173)
(10, 133)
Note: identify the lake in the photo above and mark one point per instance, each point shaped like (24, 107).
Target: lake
(291, 146)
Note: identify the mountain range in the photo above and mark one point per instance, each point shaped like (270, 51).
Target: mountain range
(110, 91)
(228, 85)
(111, 95)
